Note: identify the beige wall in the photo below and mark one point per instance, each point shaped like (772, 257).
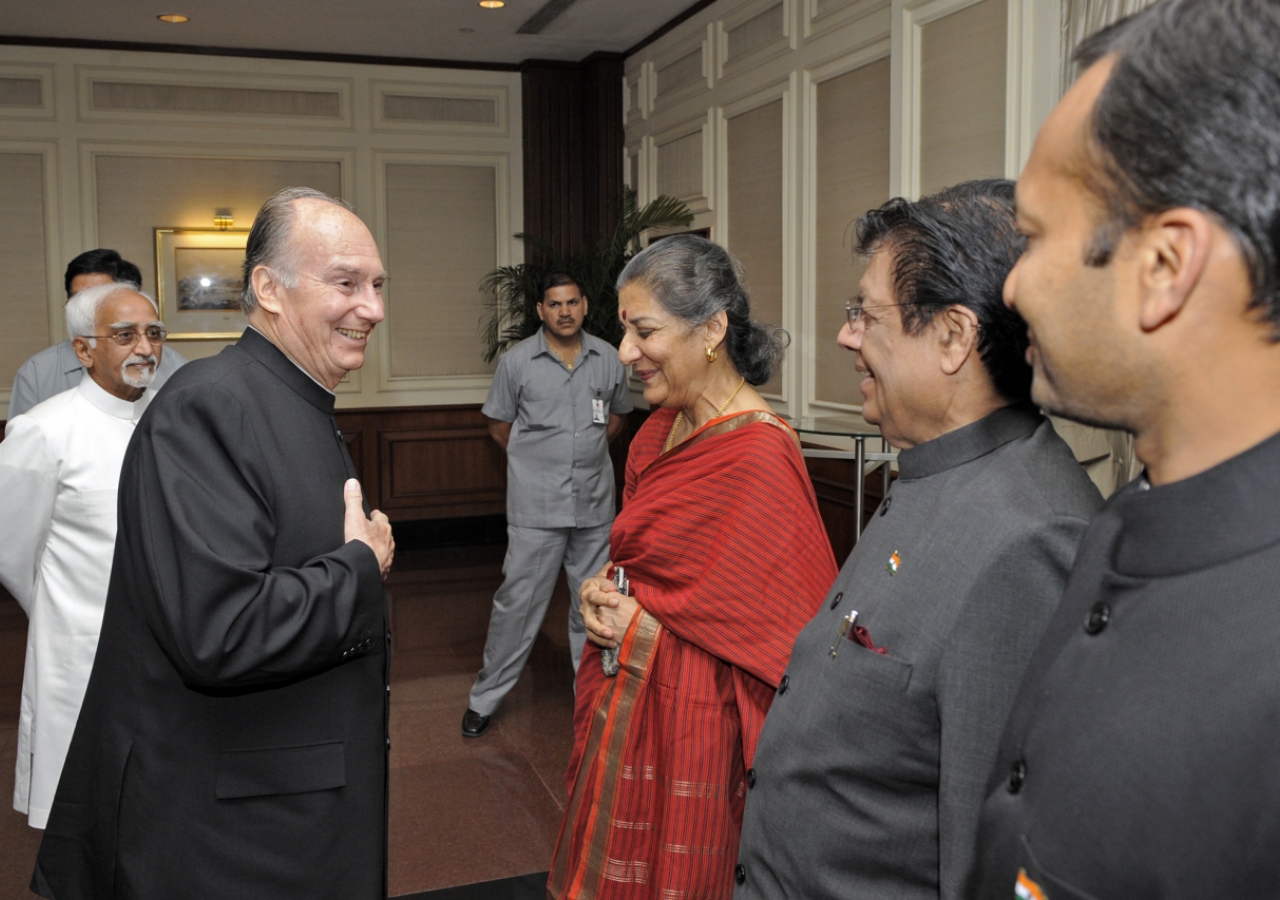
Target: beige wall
(102, 148)
(754, 198)
(864, 100)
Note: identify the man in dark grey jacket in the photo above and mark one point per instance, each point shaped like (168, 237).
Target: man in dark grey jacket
(869, 773)
(1140, 756)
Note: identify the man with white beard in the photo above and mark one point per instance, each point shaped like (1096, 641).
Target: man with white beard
(59, 472)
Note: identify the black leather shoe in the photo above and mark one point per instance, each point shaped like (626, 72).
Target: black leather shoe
(474, 724)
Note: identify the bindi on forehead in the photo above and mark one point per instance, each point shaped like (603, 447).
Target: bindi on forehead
(624, 315)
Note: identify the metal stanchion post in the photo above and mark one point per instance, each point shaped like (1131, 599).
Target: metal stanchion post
(859, 498)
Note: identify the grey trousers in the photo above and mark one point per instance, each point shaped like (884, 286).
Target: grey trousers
(534, 557)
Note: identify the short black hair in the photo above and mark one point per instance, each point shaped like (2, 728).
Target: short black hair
(102, 262)
(955, 248)
(1190, 117)
(558, 279)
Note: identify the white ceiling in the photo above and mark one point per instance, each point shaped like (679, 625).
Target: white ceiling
(422, 29)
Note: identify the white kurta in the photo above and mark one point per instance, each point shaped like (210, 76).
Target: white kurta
(59, 473)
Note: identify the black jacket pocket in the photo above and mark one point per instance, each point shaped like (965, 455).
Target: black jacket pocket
(280, 770)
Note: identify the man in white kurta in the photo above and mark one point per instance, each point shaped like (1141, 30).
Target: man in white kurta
(59, 472)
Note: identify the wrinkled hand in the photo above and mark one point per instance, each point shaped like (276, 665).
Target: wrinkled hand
(606, 612)
(373, 530)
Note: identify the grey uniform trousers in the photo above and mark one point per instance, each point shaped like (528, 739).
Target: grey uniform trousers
(534, 557)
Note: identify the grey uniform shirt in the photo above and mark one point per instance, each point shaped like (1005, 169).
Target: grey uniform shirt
(870, 770)
(1140, 759)
(558, 469)
(56, 369)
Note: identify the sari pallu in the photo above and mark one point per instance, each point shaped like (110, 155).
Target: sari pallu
(728, 559)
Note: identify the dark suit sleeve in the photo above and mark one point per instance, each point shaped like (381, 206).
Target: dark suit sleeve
(1000, 624)
(225, 610)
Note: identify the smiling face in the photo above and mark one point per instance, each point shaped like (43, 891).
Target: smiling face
(324, 323)
(1075, 312)
(900, 371)
(667, 354)
(126, 371)
(562, 309)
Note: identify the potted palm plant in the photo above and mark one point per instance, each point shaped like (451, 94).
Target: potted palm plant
(514, 291)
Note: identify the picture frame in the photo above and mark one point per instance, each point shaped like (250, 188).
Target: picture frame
(198, 278)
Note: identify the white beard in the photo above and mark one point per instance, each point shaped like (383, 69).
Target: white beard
(144, 377)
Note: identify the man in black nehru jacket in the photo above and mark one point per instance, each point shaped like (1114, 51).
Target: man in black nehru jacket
(1140, 757)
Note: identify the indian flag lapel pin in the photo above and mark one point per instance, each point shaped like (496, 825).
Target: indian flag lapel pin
(1026, 889)
(894, 562)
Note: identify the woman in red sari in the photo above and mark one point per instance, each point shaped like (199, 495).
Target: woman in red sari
(727, 559)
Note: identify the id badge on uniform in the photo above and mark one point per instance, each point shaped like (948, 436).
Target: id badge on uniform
(598, 415)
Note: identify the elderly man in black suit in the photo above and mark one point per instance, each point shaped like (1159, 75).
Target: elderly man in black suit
(233, 738)
(1140, 757)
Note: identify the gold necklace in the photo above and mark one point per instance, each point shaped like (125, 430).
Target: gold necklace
(675, 426)
(572, 356)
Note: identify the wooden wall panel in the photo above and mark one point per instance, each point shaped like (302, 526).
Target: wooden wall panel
(427, 462)
(573, 141)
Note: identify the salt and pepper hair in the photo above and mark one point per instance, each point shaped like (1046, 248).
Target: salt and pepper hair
(692, 279)
(82, 308)
(270, 241)
(1190, 117)
(956, 248)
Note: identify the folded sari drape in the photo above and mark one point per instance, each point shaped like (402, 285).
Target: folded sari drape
(728, 559)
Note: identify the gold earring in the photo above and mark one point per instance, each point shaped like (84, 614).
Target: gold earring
(711, 355)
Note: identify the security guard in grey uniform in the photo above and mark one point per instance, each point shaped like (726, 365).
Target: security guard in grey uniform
(556, 401)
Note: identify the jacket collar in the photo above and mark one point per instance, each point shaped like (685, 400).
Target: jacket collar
(111, 404)
(1221, 514)
(256, 345)
(955, 448)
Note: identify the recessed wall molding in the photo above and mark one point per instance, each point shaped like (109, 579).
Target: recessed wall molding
(441, 254)
(440, 108)
(824, 16)
(682, 70)
(26, 92)
(682, 164)
(757, 31)
(208, 98)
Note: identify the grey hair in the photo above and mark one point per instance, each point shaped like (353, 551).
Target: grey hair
(269, 241)
(82, 309)
(693, 278)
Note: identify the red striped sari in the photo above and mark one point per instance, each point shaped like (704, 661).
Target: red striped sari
(728, 560)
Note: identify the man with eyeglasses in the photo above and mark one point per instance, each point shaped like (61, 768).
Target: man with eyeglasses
(869, 774)
(56, 369)
(59, 469)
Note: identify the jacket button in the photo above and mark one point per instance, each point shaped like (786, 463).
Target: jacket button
(884, 507)
(835, 601)
(784, 684)
(1017, 775)
(739, 874)
(751, 778)
(1099, 616)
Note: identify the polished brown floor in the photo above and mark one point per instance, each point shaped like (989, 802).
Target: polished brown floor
(462, 811)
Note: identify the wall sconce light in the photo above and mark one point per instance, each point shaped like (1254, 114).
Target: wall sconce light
(493, 4)
(222, 219)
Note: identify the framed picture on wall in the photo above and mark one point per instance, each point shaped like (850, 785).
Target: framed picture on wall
(198, 282)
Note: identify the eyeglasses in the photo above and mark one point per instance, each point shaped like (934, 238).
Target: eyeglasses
(128, 337)
(854, 310)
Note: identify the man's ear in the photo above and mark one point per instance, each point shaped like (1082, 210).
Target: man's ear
(81, 346)
(266, 287)
(1172, 249)
(956, 329)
